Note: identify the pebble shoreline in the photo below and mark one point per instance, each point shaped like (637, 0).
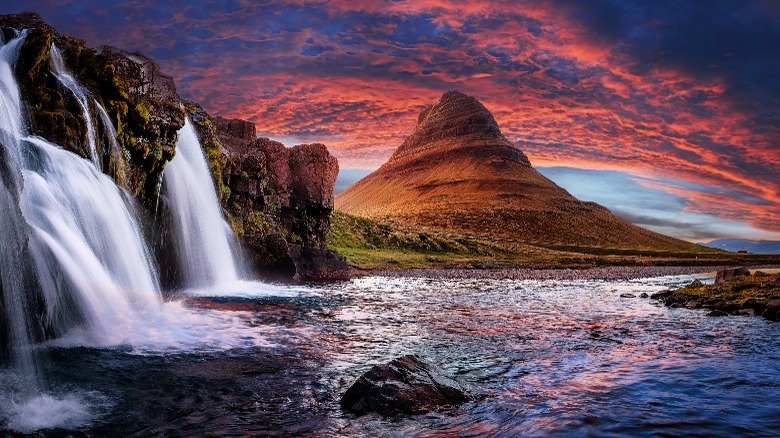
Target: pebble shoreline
(601, 273)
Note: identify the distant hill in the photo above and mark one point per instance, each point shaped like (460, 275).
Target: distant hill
(751, 246)
(347, 177)
(457, 173)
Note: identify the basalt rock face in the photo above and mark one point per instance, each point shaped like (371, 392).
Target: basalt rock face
(277, 199)
(141, 102)
(457, 173)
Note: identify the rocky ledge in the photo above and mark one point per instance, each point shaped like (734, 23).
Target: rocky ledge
(735, 292)
(278, 199)
(139, 99)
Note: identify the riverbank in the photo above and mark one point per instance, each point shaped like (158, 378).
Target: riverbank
(609, 273)
(754, 293)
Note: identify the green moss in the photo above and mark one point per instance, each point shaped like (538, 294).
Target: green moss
(735, 292)
(142, 112)
(237, 225)
(258, 222)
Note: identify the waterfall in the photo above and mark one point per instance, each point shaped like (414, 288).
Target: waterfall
(117, 161)
(202, 235)
(81, 95)
(69, 225)
(74, 264)
(15, 276)
(92, 261)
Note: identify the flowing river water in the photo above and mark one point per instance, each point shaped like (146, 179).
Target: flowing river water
(544, 358)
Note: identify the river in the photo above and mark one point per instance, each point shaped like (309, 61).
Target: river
(543, 358)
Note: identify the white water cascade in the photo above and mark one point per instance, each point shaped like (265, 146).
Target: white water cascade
(75, 267)
(91, 258)
(117, 161)
(14, 272)
(81, 95)
(202, 234)
(93, 266)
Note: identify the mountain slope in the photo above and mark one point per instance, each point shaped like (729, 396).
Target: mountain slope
(458, 173)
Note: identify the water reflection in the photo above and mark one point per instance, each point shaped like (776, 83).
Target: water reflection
(546, 358)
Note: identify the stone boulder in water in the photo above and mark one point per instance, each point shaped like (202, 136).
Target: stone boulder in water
(406, 385)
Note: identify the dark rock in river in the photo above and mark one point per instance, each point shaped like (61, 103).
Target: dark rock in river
(406, 385)
(772, 310)
(729, 274)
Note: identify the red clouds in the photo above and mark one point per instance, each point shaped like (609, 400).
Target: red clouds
(596, 84)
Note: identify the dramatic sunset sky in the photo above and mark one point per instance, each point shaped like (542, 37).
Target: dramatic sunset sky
(667, 112)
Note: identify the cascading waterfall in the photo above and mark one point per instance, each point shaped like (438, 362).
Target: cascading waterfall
(117, 161)
(81, 95)
(15, 275)
(202, 234)
(85, 246)
(91, 259)
(74, 264)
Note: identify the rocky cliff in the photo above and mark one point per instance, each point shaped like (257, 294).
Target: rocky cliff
(457, 173)
(140, 100)
(277, 199)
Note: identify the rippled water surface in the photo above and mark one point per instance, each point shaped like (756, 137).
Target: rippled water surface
(545, 358)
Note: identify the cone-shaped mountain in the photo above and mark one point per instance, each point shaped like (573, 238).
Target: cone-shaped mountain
(458, 173)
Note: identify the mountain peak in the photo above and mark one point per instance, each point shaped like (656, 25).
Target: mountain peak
(455, 115)
(458, 174)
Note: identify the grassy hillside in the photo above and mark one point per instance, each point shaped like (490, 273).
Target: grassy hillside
(370, 244)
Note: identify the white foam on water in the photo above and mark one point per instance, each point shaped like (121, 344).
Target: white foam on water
(174, 328)
(46, 411)
(250, 290)
(27, 410)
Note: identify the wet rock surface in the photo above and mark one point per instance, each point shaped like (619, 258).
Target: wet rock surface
(277, 199)
(406, 385)
(140, 100)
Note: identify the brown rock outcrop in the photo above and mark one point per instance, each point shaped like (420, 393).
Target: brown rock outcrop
(726, 275)
(277, 199)
(457, 173)
(140, 100)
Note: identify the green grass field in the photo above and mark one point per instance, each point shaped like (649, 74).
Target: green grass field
(369, 244)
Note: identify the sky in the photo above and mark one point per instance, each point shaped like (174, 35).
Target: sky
(666, 112)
